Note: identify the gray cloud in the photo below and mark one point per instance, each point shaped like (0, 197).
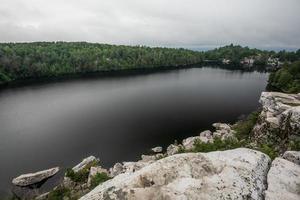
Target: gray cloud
(261, 23)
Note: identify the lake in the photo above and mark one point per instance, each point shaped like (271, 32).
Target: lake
(117, 117)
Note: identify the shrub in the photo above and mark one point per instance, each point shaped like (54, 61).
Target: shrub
(269, 150)
(82, 175)
(216, 145)
(79, 177)
(286, 79)
(59, 193)
(243, 128)
(99, 178)
(294, 145)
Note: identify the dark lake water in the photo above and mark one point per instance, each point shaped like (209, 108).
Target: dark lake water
(116, 118)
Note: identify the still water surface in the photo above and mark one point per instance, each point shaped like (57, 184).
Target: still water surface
(116, 118)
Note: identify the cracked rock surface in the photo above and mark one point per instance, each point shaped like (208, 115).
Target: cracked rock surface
(232, 174)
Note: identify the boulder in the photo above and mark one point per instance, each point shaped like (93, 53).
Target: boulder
(84, 163)
(223, 131)
(151, 158)
(205, 136)
(157, 149)
(172, 149)
(34, 178)
(94, 171)
(129, 167)
(293, 156)
(189, 142)
(221, 126)
(283, 180)
(233, 174)
(116, 169)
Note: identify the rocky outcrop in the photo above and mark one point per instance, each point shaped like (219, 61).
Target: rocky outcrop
(232, 174)
(157, 149)
(293, 156)
(34, 178)
(172, 149)
(283, 180)
(84, 163)
(205, 136)
(223, 131)
(80, 187)
(94, 171)
(279, 119)
(130, 167)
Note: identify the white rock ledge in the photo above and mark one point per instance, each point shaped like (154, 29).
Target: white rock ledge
(233, 174)
(84, 163)
(33, 178)
(283, 180)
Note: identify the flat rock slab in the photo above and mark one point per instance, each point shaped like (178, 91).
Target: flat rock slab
(283, 180)
(34, 178)
(233, 174)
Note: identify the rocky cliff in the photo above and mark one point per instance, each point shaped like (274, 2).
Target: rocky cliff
(279, 121)
(232, 174)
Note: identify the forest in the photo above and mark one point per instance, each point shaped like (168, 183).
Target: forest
(47, 59)
(20, 61)
(235, 53)
(286, 79)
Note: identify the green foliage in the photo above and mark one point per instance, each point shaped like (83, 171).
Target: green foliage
(79, 177)
(270, 150)
(235, 53)
(51, 59)
(59, 193)
(4, 78)
(217, 145)
(99, 178)
(294, 145)
(82, 175)
(286, 79)
(243, 128)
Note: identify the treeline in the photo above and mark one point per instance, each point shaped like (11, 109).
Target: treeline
(50, 59)
(235, 53)
(286, 79)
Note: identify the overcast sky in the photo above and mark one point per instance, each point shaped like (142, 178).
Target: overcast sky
(195, 23)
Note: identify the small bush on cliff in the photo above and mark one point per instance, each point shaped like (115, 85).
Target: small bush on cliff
(99, 178)
(59, 193)
(243, 128)
(269, 150)
(82, 175)
(216, 145)
(79, 177)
